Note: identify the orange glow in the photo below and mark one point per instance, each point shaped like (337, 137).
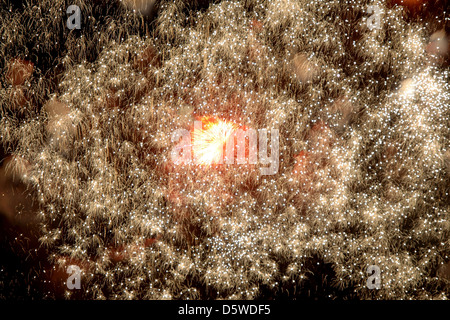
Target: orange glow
(208, 143)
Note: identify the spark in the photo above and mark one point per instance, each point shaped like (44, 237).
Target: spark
(209, 141)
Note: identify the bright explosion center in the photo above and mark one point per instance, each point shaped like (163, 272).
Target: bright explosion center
(209, 141)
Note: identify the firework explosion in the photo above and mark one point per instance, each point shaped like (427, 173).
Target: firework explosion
(209, 142)
(364, 148)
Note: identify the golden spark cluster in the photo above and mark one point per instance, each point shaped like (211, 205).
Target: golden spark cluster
(364, 153)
